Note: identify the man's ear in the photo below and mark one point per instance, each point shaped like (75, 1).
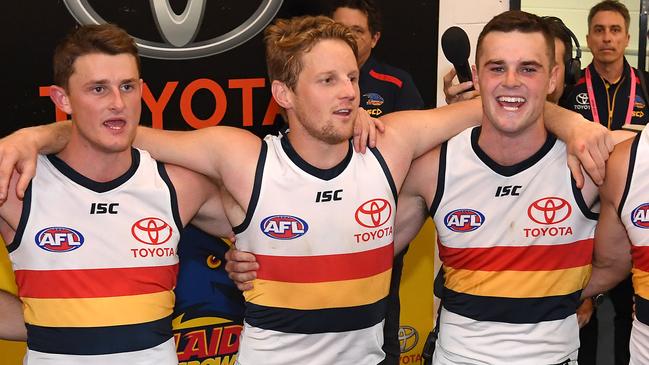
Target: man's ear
(375, 38)
(474, 72)
(552, 84)
(283, 94)
(60, 98)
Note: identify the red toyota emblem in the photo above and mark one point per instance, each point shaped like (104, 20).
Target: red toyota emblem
(551, 210)
(152, 231)
(374, 213)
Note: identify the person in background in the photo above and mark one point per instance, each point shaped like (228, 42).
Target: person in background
(612, 93)
(384, 88)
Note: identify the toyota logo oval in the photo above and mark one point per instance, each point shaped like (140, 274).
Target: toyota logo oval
(179, 30)
(408, 338)
(374, 213)
(151, 231)
(550, 210)
(582, 98)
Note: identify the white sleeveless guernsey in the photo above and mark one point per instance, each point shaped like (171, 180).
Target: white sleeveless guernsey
(324, 243)
(96, 265)
(634, 214)
(516, 245)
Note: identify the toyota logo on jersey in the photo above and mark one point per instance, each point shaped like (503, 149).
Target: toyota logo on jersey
(284, 227)
(373, 213)
(59, 239)
(464, 220)
(151, 231)
(640, 216)
(550, 210)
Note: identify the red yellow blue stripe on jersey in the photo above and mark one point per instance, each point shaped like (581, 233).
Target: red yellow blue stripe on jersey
(318, 294)
(108, 310)
(640, 279)
(514, 284)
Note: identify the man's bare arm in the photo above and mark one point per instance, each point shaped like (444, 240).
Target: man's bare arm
(19, 150)
(12, 324)
(589, 143)
(209, 151)
(416, 194)
(419, 131)
(612, 252)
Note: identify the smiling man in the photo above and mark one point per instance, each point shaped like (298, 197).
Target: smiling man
(513, 271)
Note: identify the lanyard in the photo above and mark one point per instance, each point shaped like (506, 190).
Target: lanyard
(593, 103)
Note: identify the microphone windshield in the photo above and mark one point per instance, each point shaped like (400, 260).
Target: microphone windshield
(456, 46)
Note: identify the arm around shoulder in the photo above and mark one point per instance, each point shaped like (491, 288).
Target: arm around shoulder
(211, 151)
(419, 131)
(12, 324)
(18, 151)
(612, 250)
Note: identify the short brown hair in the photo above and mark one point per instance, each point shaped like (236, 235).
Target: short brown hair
(367, 7)
(517, 21)
(288, 39)
(86, 39)
(610, 5)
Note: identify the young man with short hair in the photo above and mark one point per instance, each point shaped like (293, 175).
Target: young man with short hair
(93, 242)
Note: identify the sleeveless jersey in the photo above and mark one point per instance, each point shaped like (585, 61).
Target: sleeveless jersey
(634, 214)
(516, 245)
(95, 265)
(324, 243)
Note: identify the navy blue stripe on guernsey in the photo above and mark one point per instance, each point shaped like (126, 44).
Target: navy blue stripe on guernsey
(315, 321)
(98, 340)
(511, 310)
(642, 309)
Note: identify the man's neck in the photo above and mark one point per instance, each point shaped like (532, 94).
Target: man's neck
(511, 149)
(315, 152)
(96, 165)
(611, 72)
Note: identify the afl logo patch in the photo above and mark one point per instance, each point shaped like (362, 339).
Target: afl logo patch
(151, 231)
(59, 239)
(464, 220)
(640, 216)
(284, 227)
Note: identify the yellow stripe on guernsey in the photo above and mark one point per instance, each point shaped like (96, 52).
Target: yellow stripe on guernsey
(332, 294)
(517, 284)
(98, 312)
(640, 282)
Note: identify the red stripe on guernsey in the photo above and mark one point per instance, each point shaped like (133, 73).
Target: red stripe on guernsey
(95, 283)
(323, 268)
(388, 78)
(530, 258)
(640, 257)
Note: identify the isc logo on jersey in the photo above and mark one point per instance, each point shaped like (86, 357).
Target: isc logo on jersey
(59, 239)
(464, 220)
(640, 216)
(284, 227)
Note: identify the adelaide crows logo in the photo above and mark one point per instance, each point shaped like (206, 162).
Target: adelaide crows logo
(208, 314)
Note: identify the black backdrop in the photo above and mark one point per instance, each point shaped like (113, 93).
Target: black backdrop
(31, 28)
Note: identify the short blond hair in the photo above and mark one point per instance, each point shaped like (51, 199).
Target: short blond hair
(288, 39)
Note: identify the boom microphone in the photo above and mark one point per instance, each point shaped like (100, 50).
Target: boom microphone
(456, 48)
